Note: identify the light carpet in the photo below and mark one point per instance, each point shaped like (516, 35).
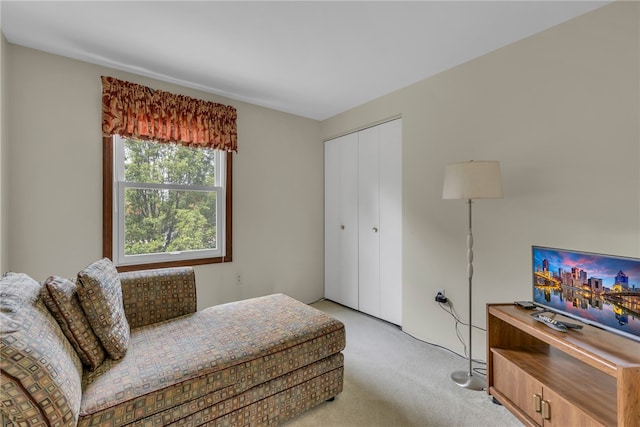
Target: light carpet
(394, 380)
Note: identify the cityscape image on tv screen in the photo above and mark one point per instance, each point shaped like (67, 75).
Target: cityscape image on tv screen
(603, 290)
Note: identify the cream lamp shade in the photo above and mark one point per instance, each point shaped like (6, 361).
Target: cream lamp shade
(472, 180)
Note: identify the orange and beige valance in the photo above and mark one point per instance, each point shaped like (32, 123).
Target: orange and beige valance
(135, 111)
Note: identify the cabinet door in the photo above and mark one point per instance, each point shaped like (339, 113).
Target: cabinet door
(341, 220)
(518, 386)
(563, 413)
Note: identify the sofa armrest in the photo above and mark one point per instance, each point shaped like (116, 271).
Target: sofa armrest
(151, 296)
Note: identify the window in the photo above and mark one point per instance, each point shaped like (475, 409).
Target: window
(164, 205)
(169, 204)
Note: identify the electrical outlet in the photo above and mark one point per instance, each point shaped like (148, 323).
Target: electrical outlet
(238, 278)
(439, 296)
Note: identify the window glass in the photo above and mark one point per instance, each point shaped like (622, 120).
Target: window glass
(159, 221)
(168, 202)
(153, 162)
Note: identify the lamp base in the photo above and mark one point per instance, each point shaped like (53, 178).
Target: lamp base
(465, 380)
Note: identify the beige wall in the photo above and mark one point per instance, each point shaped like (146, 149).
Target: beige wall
(4, 159)
(560, 111)
(56, 184)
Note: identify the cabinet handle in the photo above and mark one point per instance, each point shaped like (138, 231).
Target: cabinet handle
(537, 402)
(375, 229)
(342, 227)
(546, 410)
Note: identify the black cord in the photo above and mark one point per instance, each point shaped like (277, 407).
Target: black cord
(450, 310)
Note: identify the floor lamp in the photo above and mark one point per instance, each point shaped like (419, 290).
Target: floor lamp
(471, 180)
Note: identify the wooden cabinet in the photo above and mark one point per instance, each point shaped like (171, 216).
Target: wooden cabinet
(587, 377)
(363, 220)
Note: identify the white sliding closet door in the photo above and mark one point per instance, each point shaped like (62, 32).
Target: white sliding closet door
(341, 220)
(390, 213)
(363, 220)
(369, 220)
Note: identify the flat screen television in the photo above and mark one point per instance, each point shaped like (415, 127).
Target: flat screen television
(597, 289)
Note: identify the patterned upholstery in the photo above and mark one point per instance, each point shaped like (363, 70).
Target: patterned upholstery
(100, 295)
(40, 373)
(151, 296)
(266, 404)
(249, 363)
(61, 298)
(213, 356)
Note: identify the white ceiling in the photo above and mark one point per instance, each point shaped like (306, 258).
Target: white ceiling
(310, 58)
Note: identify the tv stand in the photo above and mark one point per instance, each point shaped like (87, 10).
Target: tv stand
(585, 377)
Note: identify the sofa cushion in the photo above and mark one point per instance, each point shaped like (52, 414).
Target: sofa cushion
(100, 295)
(152, 296)
(40, 375)
(61, 298)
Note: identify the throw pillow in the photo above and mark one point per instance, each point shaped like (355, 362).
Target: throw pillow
(40, 373)
(61, 298)
(100, 294)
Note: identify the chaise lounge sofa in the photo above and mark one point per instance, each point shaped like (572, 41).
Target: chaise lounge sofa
(249, 363)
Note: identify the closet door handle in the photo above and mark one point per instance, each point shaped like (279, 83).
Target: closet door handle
(342, 227)
(375, 229)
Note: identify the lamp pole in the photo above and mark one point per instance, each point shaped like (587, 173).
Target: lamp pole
(468, 181)
(462, 378)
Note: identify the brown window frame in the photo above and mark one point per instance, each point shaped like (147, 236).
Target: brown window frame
(107, 216)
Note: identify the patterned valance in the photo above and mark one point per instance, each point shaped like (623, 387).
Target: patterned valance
(136, 111)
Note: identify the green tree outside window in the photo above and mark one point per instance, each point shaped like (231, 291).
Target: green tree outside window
(158, 217)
